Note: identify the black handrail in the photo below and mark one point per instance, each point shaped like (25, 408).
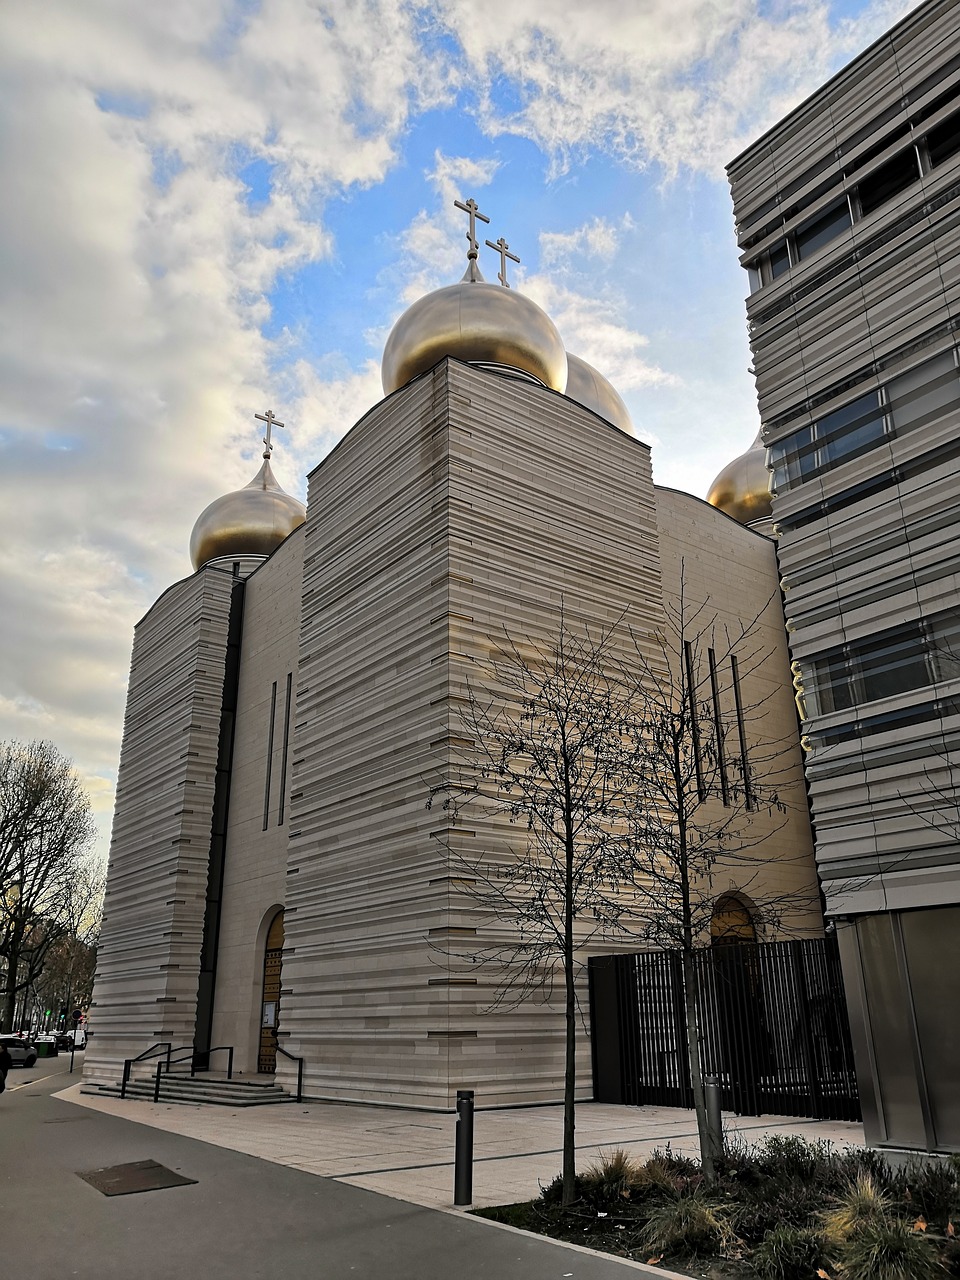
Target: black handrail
(161, 1045)
(299, 1062)
(191, 1056)
(168, 1061)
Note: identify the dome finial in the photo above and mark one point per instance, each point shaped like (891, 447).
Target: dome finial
(472, 210)
(503, 249)
(270, 419)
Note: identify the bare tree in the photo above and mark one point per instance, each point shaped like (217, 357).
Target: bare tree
(45, 832)
(544, 743)
(705, 804)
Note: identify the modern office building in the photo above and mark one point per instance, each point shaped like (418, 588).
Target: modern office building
(275, 869)
(848, 218)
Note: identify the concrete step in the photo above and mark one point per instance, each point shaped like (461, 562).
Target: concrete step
(222, 1093)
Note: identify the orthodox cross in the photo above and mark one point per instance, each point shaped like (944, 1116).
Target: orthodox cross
(473, 210)
(270, 419)
(504, 251)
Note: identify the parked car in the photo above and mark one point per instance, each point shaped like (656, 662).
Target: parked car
(22, 1050)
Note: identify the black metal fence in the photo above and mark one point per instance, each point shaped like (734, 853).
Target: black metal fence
(773, 1025)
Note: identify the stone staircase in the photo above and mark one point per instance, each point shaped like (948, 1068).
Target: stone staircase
(197, 1090)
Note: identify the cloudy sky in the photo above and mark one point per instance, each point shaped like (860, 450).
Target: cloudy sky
(215, 207)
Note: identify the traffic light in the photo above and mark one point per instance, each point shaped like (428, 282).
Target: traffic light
(77, 1015)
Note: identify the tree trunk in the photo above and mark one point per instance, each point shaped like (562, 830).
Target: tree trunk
(709, 1141)
(570, 1057)
(8, 1005)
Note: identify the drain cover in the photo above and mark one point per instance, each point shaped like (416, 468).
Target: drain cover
(128, 1179)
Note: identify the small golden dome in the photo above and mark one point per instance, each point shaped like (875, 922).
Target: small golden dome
(589, 387)
(479, 323)
(742, 489)
(252, 521)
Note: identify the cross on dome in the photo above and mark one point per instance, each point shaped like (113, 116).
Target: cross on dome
(472, 209)
(270, 419)
(503, 249)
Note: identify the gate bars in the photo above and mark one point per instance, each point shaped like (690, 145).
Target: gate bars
(773, 1023)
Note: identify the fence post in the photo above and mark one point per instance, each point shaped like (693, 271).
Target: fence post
(463, 1164)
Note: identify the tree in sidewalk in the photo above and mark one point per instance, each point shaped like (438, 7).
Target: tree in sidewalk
(543, 743)
(46, 829)
(623, 760)
(699, 795)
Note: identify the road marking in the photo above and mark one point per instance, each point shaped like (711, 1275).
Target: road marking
(12, 1088)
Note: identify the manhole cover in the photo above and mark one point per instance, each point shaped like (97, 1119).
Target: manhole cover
(128, 1179)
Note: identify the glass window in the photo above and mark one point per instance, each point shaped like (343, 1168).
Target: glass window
(888, 181)
(944, 633)
(793, 459)
(855, 428)
(892, 663)
(753, 273)
(779, 259)
(944, 141)
(832, 687)
(925, 393)
(826, 227)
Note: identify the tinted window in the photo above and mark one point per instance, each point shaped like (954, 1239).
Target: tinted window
(925, 393)
(814, 235)
(944, 141)
(856, 427)
(779, 260)
(887, 181)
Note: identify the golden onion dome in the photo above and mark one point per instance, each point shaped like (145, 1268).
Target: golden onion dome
(478, 323)
(589, 387)
(252, 521)
(742, 489)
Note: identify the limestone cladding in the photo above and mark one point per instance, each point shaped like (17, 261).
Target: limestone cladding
(149, 955)
(872, 542)
(729, 577)
(465, 503)
(255, 861)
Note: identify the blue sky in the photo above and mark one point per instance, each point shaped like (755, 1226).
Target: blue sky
(216, 207)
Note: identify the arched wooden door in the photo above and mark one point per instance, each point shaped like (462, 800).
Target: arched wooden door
(270, 1003)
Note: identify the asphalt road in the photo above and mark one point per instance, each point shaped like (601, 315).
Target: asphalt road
(244, 1217)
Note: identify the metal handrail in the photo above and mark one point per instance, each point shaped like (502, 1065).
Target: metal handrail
(299, 1061)
(191, 1056)
(161, 1046)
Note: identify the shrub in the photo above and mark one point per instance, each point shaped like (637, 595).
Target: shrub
(934, 1189)
(889, 1249)
(770, 1203)
(614, 1177)
(862, 1205)
(686, 1225)
(789, 1253)
(790, 1156)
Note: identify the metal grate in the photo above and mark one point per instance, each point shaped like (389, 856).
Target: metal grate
(773, 1026)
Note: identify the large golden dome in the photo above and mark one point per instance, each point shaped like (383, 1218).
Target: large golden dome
(252, 521)
(589, 387)
(479, 323)
(742, 489)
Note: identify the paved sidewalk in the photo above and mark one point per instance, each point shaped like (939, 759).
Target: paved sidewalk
(409, 1154)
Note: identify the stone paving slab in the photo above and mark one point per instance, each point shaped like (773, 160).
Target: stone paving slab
(409, 1154)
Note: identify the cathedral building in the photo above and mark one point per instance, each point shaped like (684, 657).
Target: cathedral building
(276, 878)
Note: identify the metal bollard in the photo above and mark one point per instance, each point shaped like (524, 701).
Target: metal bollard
(463, 1166)
(711, 1091)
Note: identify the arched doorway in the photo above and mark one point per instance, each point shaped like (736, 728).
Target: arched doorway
(731, 921)
(270, 1002)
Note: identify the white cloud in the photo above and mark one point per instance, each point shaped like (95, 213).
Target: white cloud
(674, 82)
(165, 166)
